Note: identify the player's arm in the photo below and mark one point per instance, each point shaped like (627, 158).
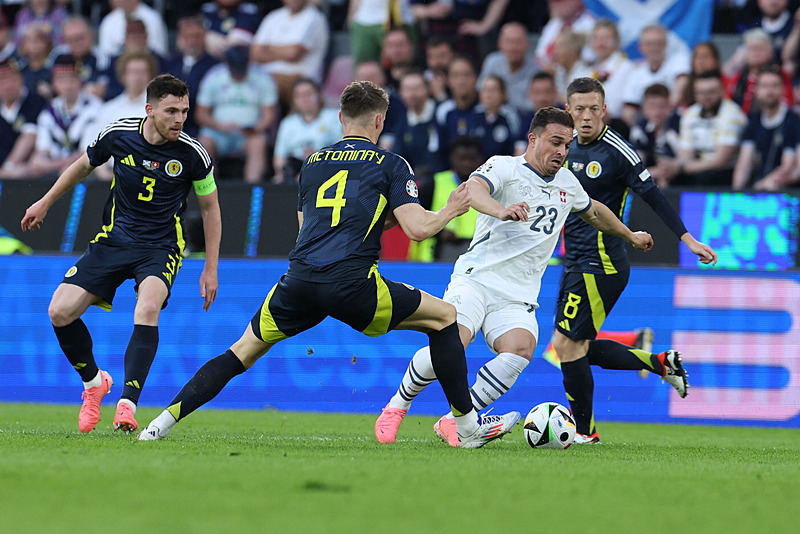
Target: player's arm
(75, 173)
(481, 200)
(420, 224)
(688, 164)
(744, 166)
(212, 228)
(602, 218)
(781, 176)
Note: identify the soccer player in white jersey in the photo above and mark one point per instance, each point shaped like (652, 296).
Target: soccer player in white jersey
(523, 203)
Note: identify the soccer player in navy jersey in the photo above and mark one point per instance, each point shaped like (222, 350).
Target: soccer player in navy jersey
(348, 192)
(596, 267)
(155, 167)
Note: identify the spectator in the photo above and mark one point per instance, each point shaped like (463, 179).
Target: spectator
(655, 136)
(236, 107)
(229, 22)
(705, 57)
(758, 54)
(191, 63)
(292, 42)
(135, 40)
(33, 53)
(542, 93)
(438, 54)
(709, 135)
(63, 123)
(465, 155)
(452, 115)
(309, 127)
(7, 47)
(611, 66)
(790, 54)
(45, 14)
(368, 21)
(768, 157)
(776, 21)
(92, 64)
(19, 109)
(134, 69)
(397, 56)
(512, 64)
(415, 134)
(656, 67)
(566, 60)
(496, 122)
(113, 27)
(564, 14)
(372, 71)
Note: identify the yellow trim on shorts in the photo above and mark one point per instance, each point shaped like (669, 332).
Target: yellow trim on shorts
(608, 267)
(206, 186)
(266, 323)
(383, 307)
(103, 305)
(595, 301)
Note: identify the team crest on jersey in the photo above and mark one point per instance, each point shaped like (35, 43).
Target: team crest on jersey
(563, 195)
(174, 167)
(411, 188)
(577, 166)
(150, 165)
(71, 272)
(594, 169)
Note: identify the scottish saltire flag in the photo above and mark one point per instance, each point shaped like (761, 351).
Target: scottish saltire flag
(688, 20)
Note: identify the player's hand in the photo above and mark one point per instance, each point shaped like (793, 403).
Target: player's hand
(208, 287)
(459, 200)
(704, 253)
(34, 217)
(515, 212)
(642, 241)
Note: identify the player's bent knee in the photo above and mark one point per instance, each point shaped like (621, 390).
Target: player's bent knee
(568, 349)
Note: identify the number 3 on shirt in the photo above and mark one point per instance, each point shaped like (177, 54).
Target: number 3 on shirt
(338, 201)
(149, 184)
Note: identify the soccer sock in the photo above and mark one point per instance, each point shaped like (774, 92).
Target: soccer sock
(450, 366)
(418, 376)
(612, 355)
(138, 358)
(579, 385)
(206, 383)
(626, 338)
(495, 378)
(76, 342)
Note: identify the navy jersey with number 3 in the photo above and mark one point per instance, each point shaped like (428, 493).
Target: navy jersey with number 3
(345, 192)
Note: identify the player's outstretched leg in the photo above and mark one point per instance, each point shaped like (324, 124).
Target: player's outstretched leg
(139, 357)
(675, 374)
(207, 382)
(417, 377)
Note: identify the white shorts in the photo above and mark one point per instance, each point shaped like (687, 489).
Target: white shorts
(479, 309)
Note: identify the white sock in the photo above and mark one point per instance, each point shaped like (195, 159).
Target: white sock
(467, 424)
(419, 375)
(165, 421)
(495, 378)
(129, 403)
(94, 382)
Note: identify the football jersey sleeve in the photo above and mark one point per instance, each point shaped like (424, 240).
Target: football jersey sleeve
(402, 184)
(99, 151)
(492, 173)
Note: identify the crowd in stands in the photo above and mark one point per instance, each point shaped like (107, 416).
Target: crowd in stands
(464, 79)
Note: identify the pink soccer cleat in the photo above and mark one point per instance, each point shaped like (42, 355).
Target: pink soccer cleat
(447, 429)
(388, 424)
(124, 419)
(89, 415)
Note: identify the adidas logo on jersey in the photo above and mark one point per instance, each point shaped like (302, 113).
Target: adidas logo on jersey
(128, 160)
(565, 325)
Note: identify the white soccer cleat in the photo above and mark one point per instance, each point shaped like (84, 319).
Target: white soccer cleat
(676, 375)
(490, 427)
(152, 433)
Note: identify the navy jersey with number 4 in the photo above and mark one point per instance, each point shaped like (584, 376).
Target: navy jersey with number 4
(345, 192)
(150, 185)
(607, 168)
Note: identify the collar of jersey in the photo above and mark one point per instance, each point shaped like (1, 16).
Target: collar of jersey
(356, 137)
(546, 180)
(605, 129)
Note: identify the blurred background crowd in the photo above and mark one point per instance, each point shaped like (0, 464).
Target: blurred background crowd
(706, 90)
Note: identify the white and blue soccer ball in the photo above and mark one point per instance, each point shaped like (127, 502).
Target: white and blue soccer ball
(549, 426)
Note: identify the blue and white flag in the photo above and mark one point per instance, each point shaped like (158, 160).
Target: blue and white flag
(688, 20)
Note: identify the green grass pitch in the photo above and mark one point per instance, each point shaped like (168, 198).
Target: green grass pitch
(267, 471)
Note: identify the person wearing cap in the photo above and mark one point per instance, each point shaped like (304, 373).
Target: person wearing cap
(19, 109)
(64, 121)
(236, 107)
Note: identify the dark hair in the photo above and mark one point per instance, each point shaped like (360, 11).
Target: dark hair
(164, 85)
(585, 86)
(770, 68)
(498, 79)
(550, 115)
(657, 89)
(461, 57)
(711, 48)
(438, 39)
(465, 141)
(714, 74)
(363, 98)
(543, 75)
(133, 55)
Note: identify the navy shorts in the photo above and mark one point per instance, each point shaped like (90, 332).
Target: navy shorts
(103, 268)
(584, 301)
(373, 305)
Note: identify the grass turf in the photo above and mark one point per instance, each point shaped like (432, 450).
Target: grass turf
(266, 471)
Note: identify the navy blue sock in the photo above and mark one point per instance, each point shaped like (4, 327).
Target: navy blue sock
(450, 366)
(206, 383)
(610, 354)
(76, 342)
(579, 385)
(138, 358)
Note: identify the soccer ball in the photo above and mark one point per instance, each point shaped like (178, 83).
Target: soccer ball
(549, 426)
